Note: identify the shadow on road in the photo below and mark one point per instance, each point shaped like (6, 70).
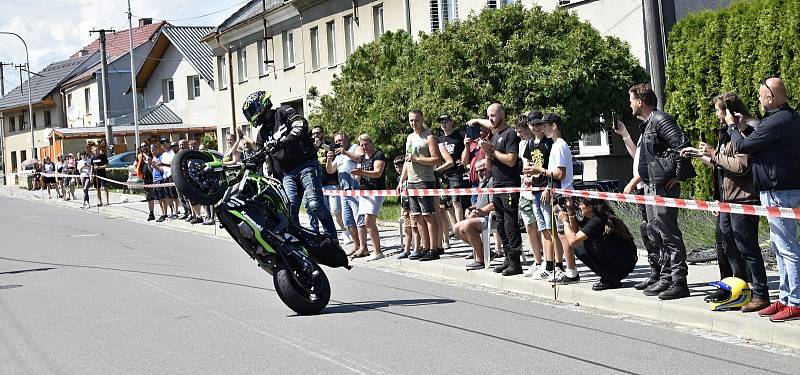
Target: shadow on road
(350, 307)
(24, 271)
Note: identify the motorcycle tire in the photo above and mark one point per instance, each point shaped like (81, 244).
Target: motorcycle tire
(294, 297)
(187, 185)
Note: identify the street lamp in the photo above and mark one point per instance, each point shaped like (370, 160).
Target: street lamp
(30, 102)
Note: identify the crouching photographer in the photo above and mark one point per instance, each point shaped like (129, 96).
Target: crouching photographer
(600, 239)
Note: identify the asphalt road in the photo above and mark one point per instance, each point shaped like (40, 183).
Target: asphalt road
(85, 294)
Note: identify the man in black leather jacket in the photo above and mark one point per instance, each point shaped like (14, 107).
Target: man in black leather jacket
(658, 168)
(285, 133)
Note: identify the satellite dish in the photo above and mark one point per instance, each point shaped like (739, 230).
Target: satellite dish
(73, 114)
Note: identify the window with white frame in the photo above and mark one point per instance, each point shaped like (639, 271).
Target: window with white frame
(330, 29)
(69, 100)
(242, 64)
(442, 12)
(222, 72)
(288, 49)
(263, 69)
(594, 143)
(349, 36)
(87, 97)
(193, 86)
(167, 90)
(377, 20)
(314, 48)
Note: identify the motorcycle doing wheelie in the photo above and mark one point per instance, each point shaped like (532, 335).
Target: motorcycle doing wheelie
(255, 211)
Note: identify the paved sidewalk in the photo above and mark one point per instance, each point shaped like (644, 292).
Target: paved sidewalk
(692, 311)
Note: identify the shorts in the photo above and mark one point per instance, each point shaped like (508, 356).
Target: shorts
(369, 205)
(407, 222)
(98, 182)
(159, 193)
(49, 180)
(334, 201)
(149, 194)
(526, 211)
(456, 181)
(421, 205)
(543, 212)
(170, 192)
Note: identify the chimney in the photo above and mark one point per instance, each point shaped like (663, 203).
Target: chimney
(145, 21)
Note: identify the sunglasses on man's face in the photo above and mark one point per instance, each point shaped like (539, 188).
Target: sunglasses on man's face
(764, 83)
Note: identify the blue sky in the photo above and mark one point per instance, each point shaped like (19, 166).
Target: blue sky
(56, 29)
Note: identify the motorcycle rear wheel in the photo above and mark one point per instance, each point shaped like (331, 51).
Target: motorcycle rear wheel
(295, 297)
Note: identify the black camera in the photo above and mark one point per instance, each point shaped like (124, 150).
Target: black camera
(337, 146)
(473, 132)
(561, 201)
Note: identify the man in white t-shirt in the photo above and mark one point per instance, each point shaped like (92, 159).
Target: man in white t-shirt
(171, 195)
(559, 169)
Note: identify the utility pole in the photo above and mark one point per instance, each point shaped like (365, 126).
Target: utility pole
(2, 78)
(133, 79)
(104, 75)
(656, 57)
(3, 124)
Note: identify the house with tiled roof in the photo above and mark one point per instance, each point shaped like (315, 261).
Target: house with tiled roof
(174, 84)
(83, 92)
(21, 134)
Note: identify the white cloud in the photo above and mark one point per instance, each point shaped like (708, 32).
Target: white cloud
(54, 30)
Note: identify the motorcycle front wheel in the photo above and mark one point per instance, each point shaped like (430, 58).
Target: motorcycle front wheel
(193, 181)
(296, 297)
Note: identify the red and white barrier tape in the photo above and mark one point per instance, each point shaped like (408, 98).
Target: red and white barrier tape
(54, 174)
(691, 204)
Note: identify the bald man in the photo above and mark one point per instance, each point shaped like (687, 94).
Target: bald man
(775, 150)
(502, 155)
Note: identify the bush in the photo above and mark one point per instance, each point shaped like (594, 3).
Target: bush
(730, 49)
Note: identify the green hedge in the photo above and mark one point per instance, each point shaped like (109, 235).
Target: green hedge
(730, 49)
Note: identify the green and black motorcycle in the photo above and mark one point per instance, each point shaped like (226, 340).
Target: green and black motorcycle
(254, 209)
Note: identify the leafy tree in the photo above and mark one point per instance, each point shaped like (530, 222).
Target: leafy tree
(728, 50)
(523, 58)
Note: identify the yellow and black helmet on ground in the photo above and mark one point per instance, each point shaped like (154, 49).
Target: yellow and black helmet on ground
(736, 293)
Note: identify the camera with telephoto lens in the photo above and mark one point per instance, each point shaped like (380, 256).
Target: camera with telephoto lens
(473, 132)
(561, 201)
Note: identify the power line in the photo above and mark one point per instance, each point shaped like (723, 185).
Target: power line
(203, 15)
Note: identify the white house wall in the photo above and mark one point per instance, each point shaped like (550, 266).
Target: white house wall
(198, 111)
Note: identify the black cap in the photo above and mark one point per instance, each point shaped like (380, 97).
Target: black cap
(552, 118)
(445, 117)
(534, 117)
(164, 140)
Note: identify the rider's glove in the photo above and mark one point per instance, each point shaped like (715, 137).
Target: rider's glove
(271, 144)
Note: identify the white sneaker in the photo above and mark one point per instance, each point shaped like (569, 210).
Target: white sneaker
(555, 275)
(539, 272)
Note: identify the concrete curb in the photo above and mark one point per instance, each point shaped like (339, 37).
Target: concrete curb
(747, 326)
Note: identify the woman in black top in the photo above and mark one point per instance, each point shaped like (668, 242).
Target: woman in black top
(372, 170)
(608, 247)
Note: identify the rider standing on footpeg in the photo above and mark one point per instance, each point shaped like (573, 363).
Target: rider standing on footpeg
(286, 136)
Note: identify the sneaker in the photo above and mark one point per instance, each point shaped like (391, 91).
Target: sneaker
(535, 269)
(415, 255)
(173, 216)
(374, 257)
(430, 255)
(564, 279)
(773, 309)
(555, 275)
(186, 216)
(475, 265)
(196, 220)
(541, 273)
(404, 255)
(161, 219)
(208, 222)
(657, 288)
(786, 314)
(151, 217)
(440, 251)
(675, 291)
